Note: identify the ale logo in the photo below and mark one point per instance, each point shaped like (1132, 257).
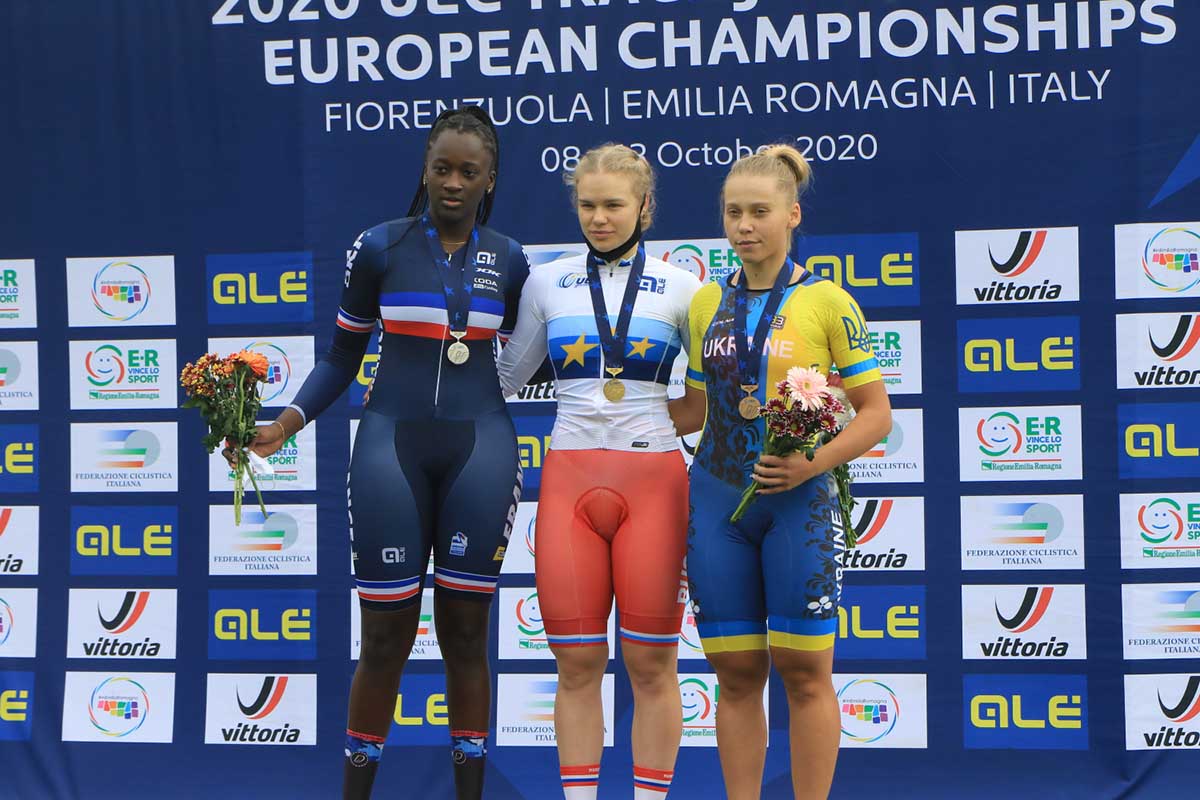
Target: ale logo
(132, 607)
(1026, 523)
(699, 702)
(1181, 341)
(1160, 520)
(1024, 253)
(529, 616)
(7, 621)
(869, 710)
(1187, 707)
(1030, 612)
(119, 706)
(105, 365)
(127, 448)
(120, 290)
(1171, 259)
(999, 434)
(688, 257)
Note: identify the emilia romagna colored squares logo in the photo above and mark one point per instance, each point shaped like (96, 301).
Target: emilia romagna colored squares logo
(1160, 440)
(869, 710)
(260, 287)
(421, 716)
(882, 622)
(1169, 528)
(1027, 354)
(116, 374)
(16, 706)
(878, 269)
(124, 540)
(1171, 259)
(120, 290)
(262, 625)
(18, 458)
(1025, 712)
(118, 706)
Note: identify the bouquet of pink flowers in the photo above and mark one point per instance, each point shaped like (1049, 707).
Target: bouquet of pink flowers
(809, 411)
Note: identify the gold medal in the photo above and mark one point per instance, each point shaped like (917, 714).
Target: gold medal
(614, 389)
(749, 407)
(458, 353)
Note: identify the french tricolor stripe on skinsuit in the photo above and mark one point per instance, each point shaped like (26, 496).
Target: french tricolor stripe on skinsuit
(580, 776)
(576, 639)
(352, 323)
(389, 591)
(424, 314)
(656, 780)
(464, 581)
(655, 639)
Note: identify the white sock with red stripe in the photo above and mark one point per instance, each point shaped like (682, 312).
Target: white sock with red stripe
(651, 784)
(580, 783)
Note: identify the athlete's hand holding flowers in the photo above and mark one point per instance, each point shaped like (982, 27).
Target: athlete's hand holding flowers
(807, 414)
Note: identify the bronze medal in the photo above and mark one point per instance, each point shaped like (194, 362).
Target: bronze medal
(749, 407)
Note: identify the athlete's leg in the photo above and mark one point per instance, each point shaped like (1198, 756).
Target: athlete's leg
(813, 722)
(462, 629)
(741, 720)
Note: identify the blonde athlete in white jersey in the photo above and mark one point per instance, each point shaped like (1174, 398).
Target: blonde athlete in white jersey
(612, 515)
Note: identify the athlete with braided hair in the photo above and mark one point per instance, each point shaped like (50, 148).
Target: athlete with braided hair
(435, 463)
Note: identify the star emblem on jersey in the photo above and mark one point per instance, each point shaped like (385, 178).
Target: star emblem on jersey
(641, 348)
(576, 352)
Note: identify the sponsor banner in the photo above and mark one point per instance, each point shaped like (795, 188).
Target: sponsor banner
(284, 542)
(710, 260)
(1031, 265)
(539, 254)
(259, 287)
(1018, 354)
(16, 706)
(357, 395)
(125, 707)
(879, 269)
(1022, 532)
(533, 442)
(1025, 712)
(294, 467)
(1024, 622)
(121, 291)
(1160, 530)
(1162, 712)
(18, 375)
(124, 457)
(18, 623)
(522, 632)
(698, 696)
(891, 534)
(883, 711)
(525, 709)
(882, 622)
(689, 635)
(124, 540)
(19, 537)
(1158, 350)
(261, 709)
(518, 557)
(1020, 443)
(900, 457)
(289, 360)
(1158, 260)
(1159, 440)
(19, 458)
(262, 625)
(122, 623)
(124, 374)
(18, 293)
(421, 715)
(1161, 620)
(897, 348)
(425, 646)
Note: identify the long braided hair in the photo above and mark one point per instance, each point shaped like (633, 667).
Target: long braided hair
(467, 119)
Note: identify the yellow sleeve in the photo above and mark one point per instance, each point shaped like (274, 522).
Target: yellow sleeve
(849, 339)
(700, 314)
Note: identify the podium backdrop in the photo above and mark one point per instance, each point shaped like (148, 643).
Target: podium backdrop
(1009, 190)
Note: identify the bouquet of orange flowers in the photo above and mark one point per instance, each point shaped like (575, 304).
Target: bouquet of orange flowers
(808, 412)
(226, 392)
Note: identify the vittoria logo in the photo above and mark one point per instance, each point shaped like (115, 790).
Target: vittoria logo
(1158, 350)
(891, 534)
(270, 709)
(1031, 265)
(120, 623)
(1162, 712)
(1024, 622)
(19, 536)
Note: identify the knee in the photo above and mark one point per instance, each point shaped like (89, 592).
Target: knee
(583, 669)
(383, 649)
(743, 679)
(805, 684)
(463, 643)
(651, 672)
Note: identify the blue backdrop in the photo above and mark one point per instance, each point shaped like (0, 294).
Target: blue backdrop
(1009, 191)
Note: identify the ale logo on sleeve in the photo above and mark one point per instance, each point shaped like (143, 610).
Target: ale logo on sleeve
(1025, 712)
(19, 376)
(1162, 712)
(121, 291)
(1158, 260)
(897, 348)
(357, 394)
(525, 709)
(18, 623)
(698, 697)
(18, 294)
(1020, 443)
(1161, 620)
(122, 623)
(1024, 622)
(1159, 440)
(879, 269)
(124, 457)
(119, 707)
(19, 458)
(259, 287)
(900, 457)
(882, 622)
(16, 706)
(262, 624)
(19, 538)
(293, 465)
(261, 709)
(1158, 351)
(124, 540)
(1160, 531)
(887, 711)
(1022, 532)
(1018, 354)
(289, 360)
(1030, 265)
(284, 542)
(125, 374)
(891, 534)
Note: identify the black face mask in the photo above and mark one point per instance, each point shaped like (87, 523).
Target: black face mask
(623, 248)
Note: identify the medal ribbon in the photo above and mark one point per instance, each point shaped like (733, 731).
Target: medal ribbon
(747, 371)
(612, 341)
(458, 299)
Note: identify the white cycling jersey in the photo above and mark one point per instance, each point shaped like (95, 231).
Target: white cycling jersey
(555, 318)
